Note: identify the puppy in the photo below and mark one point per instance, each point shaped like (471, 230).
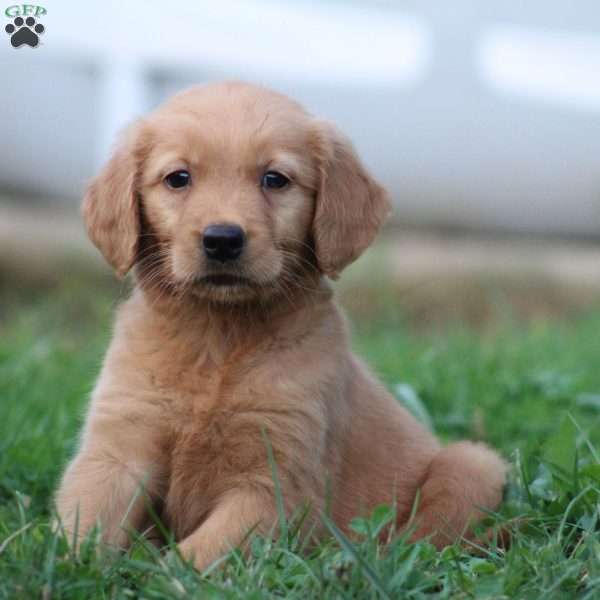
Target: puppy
(233, 206)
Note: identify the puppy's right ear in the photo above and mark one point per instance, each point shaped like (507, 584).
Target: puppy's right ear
(350, 205)
(111, 206)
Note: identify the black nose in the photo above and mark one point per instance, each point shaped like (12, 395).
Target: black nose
(223, 242)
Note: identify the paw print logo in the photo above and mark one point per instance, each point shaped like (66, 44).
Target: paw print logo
(24, 32)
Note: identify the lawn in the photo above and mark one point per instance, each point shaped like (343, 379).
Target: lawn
(530, 389)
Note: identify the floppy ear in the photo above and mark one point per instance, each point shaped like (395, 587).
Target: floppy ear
(350, 205)
(110, 206)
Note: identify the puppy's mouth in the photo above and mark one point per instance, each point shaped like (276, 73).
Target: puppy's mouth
(224, 280)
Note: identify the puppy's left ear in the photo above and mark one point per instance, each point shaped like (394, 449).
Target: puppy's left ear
(350, 205)
(110, 207)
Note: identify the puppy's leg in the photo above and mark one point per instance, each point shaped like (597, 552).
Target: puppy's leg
(105, 487)
(238, 513)
(462, 479)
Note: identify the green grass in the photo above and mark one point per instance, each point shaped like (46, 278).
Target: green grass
(532, 391)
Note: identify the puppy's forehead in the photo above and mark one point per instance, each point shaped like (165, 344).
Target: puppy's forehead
(239, 121)
(244, 98)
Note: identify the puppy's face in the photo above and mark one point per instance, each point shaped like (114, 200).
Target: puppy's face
(228, 189)
(233, 193)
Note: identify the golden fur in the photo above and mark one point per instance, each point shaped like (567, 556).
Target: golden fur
(198, 374)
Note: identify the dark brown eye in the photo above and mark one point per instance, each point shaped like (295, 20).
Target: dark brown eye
(272, 180)
(178, 179)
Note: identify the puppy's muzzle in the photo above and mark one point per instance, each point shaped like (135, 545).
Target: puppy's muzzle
(223, 243)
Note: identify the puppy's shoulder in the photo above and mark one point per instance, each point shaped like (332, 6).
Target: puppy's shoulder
(138, 338)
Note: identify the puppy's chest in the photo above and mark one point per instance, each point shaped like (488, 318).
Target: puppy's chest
(209, 408)
(214, 428)
(199, 380)
(187, 374)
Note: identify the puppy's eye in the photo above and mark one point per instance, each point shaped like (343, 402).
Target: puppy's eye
(178, 179)
(272, 180)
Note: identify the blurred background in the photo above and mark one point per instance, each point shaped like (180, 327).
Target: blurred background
(481, 118)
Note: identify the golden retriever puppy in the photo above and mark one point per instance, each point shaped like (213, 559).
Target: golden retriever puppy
(233, 206)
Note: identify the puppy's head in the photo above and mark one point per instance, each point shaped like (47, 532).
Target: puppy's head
(232, 192)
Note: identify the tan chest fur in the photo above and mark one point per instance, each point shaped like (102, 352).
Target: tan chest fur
(219, 395)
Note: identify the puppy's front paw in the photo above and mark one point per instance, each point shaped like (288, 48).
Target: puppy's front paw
(201, 557)
(190, 553)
